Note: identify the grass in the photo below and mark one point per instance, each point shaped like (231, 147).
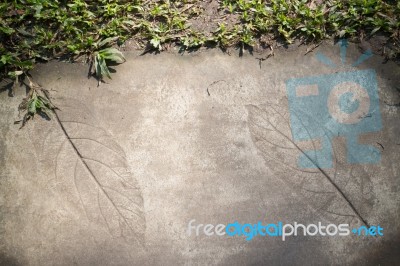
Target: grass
(34, 31)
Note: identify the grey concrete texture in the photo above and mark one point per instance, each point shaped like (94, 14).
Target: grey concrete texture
(173, 138)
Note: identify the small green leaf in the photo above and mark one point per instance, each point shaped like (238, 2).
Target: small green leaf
(14, 74)
(104, 68)
(32, 106)
(6, 59)
(375, 30)
(107, 41)
(155, 42)
(113, 55)
(97, 67)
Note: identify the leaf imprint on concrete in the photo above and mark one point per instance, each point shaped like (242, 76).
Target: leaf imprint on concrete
(108, 192)
(341, 193)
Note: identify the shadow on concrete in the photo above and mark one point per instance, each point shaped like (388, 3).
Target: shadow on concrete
(7, 86)
(385, 254)
(6, 260)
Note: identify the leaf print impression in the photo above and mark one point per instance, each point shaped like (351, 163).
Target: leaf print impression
(108, 192)
(341, 193)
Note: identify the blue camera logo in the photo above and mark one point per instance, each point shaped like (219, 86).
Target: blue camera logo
(340, 104)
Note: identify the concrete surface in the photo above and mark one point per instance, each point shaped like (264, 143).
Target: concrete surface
(173, 138)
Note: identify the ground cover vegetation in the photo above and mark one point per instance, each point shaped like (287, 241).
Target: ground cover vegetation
(33, 31)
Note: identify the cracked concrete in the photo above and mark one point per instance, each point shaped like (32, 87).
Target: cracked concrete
(174, 138)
